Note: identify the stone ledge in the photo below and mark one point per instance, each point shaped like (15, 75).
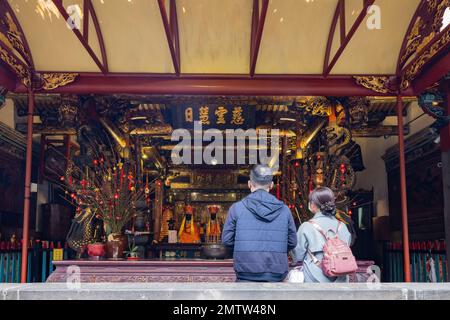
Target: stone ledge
(226, 291)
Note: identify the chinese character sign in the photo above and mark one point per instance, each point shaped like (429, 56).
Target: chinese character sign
(220, 116)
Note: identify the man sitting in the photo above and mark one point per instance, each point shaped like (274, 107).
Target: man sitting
(262, 231)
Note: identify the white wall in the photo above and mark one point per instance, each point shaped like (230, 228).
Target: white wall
(7, 113)
(7, 116)
(374, 148)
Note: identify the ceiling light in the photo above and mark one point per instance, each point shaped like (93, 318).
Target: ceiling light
(287, 119)
(139, 118)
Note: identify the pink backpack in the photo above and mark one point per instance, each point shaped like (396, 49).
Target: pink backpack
(338, 259)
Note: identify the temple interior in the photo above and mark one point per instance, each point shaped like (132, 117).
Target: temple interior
(346, 143)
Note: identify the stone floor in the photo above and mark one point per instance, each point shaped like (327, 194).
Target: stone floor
(225, 291)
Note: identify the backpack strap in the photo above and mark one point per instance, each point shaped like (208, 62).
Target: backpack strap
(318, 228)
(338, 227)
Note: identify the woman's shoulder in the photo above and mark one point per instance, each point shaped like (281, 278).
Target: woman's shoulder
(306, 226)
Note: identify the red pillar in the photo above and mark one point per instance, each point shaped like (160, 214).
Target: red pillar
(26, 205)
(157, 212)
(404, 205)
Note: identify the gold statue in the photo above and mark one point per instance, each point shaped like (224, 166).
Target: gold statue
(213, 227)
(189, 231)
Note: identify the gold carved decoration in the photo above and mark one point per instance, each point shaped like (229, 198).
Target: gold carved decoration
(15, 36)
(375, 83)
(19, 68)
(54, 80)
(412, 71)
(416, 41)
(15, 55)
(413, 39)
(426, 40)
(316, 106)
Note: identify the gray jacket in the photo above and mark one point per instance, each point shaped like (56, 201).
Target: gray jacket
(308, 238)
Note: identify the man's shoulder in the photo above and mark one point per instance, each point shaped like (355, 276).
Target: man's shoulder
(233, 208)
(285, 210)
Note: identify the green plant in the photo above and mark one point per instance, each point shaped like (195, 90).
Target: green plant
(132, 252)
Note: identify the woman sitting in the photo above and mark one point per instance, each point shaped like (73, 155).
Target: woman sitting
(310, 241)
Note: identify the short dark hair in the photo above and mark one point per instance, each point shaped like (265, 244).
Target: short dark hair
(261, 175)
(324, 199)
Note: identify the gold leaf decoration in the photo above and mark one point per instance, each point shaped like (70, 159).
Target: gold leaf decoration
(432, 22)
(375, 83)
(413, 70)
(15, 37)
(19, 68)
(316, 106)
(54, 80)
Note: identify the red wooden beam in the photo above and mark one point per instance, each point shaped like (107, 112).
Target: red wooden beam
(255, 19)
(342, 19)
(98, 31)
(348, 37)
(264, 85)
(337, 13)
(170, 36)
(86, 5)
(259, 31)
(81, 37)
(435, 71)
(174, 30)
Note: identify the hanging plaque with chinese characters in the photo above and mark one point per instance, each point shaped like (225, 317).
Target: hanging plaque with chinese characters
(220, 116)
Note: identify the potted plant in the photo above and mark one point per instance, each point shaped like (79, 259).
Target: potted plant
(111, 190)
(132, 253)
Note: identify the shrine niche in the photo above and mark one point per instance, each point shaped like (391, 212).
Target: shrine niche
(134, 132)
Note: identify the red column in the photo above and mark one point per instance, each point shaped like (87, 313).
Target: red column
(157, 212)
(404, 205)
(26, 205)
(67, 151)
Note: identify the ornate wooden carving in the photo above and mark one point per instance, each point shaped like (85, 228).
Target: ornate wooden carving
(163, 271)
(380, 84)
(423, 41)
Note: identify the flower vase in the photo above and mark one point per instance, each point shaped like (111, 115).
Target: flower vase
(115, 246)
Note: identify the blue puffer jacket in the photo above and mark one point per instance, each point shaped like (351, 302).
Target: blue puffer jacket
(262, 231)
